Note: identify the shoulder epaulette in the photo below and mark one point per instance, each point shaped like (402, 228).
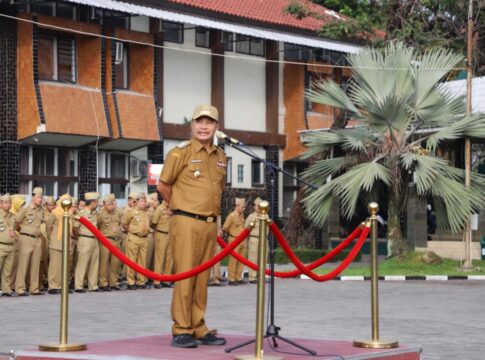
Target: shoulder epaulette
(183, 144)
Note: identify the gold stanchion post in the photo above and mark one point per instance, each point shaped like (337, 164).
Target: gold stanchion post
(63, 345)
(375, 343)
(263, 240)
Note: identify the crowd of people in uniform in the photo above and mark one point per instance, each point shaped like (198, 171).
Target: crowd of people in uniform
(31, 243)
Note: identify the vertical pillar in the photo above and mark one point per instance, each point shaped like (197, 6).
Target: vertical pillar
(88, 163)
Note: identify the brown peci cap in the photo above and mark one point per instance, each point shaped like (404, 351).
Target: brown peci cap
(5, 197)
(257, 201)
(240, 201)
(50, 200)
(109, 199)
(38, 191)
(206, 110)
(91, 196)
(141, 195)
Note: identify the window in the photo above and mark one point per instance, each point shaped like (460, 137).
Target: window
(228, 40)
(257, 173)
(121, 65)
(240, 174)
(113, 174)
(249, 45)
(229, 171)
(173, 32)
(118, 171)
(58, 9)
(57, 54)
(297, 52)
(53, 169)
(113, 18)
(202, 37)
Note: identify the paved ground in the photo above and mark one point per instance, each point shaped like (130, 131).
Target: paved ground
(447, 318)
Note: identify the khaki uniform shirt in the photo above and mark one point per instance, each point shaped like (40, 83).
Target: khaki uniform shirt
(253, 218)
(197, 177)
(109, 223)
(161, 218)
(92, 216)
(29, 219)
(7, 223)
(234, 223)
(137, 221)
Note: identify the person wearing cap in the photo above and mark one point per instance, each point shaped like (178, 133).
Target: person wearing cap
(129, 206)
(87, 247)
(192, 181)
(109, 223)
(162, 250)
(233, 225)
(7, 243)
(137, 224)
(49, 206)
(253, 242)
(54, 229)
(28, 222)
(74, 237)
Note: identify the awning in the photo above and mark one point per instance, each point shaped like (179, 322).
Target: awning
(133, 9)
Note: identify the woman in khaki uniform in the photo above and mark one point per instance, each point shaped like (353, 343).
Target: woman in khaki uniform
(163, 253)
(137, 223)
(233, 225)
(192, 181)
(7, 243)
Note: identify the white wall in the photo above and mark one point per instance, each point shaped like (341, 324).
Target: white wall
(187, 79)
(458, 87)
(238, 158)
(138, 184)
(245, 93)
(169, 145)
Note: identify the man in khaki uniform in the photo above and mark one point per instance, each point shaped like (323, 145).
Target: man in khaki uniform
(18, 202)
(152, 206)
(233, 225)
(192, 181)
(253, 243)
(49, 206)
(130, 205)
(137, 224)
(28, 222)
(73, 247)
(54, 229)
(109, 223)
(163, 253)
(7, 243)
(87, 247)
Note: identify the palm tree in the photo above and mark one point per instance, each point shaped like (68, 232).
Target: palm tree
(404, 114)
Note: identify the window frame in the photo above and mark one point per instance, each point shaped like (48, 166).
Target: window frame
(180, 29)
(104, 159)
(250, 39)
(125, 64)
(55, 37)
(206, 33)
(260, 181)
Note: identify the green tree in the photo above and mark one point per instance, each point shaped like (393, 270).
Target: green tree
(404, 115)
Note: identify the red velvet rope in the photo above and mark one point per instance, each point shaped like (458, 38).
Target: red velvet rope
(159, 277)
(288, 274)
(320, 278)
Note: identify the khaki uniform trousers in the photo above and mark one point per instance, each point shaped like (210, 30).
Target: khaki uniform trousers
(136, 250)
(253, 245)
(87, 263)
(14, 265)
(29, 252)
(108, 265)
(162, 255)
(235, 268)
(192, 242)
(54, 274)
(150, 251)
(215, 276)
(7, 253)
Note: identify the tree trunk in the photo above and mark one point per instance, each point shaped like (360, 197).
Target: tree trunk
(396, 246)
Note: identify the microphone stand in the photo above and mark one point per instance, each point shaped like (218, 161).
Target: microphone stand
(272, 331)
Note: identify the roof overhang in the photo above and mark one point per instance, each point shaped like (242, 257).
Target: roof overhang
(134, 9)
(55, 139)
(124, 144)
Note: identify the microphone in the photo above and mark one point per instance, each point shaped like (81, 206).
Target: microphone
(221, 136)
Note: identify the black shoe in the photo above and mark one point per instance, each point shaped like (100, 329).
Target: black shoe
(157, 286)
(106, 288)
(215, 283)
(210, 339)
(167, 285)
(97, 290)
(131, 287)
(141, 286)
(37, 293)
(80, 291)
(241, 282)
(253, 281)
(184, 341)
(10, 294)
(54, 291)
(232, 283)
(23, 294)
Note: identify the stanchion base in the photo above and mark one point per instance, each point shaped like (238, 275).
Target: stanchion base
(376, 344)
(253, 357)
(62, 347)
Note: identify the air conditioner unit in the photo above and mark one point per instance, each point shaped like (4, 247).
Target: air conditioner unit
(119, 53)
(138, 168)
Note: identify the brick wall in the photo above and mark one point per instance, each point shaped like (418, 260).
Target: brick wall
(9, 147)
(87, 170)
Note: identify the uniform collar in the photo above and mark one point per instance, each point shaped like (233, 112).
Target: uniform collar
(197, 145)
(35, 207)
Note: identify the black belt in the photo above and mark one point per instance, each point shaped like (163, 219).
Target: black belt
(112, 238)
(3, 243)
(138, 234)
(162, 232)
(30, 235)
(208, 219)
(254, 236)
(88, 236)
